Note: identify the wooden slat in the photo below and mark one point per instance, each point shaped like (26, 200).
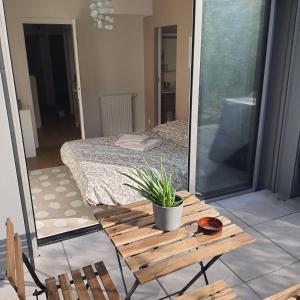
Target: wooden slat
(11, 265)
(146, 221)
(178, 262)
(79, 285)
(190, 200)
(205, 291)
(194, 217)
(155, 241)
(66, 288)
(135, 235)
(163, 239)
(145, 232)
(184, 193)
(19, 268)
(286, 294)
(162, 253)
(52, 291)
(228, 294)
(117, 210)
(108, 284)
(134, 205)
(93, 283)
(195, 207)
(131, 225)
(134, 214)
(134, 210)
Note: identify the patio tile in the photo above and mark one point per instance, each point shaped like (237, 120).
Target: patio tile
(151, 290)
(51, 251)
(259, 207)
(277, 281)
(244, 292)
(45, 267)
(228, 214)
(173, 282)
(6, 291)
(89, 249)
(285, 232)
(257, 259)
(44, 263)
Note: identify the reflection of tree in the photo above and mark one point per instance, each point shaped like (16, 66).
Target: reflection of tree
(230, 43)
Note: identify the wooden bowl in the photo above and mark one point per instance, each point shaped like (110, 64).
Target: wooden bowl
(210, 225)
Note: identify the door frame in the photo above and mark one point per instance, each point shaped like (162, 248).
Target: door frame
(195, 92)
(19, 150)
(159, 73)
(72, 23)
(288, 137)
(21, 166)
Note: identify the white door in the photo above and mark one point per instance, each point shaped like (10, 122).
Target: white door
(77, 90)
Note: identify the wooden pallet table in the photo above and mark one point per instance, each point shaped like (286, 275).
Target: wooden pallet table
(151, 253)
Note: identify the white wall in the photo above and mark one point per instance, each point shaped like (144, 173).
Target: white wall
(133, 7)
(109, 61)
(10, 202)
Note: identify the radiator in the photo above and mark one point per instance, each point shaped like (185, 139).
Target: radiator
(116, 114)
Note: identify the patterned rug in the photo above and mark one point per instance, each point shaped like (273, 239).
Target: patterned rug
(57, 202)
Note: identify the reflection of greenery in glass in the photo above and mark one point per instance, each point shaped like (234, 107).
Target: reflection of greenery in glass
(229, 58)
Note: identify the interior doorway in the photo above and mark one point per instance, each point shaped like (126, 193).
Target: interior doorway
(166, 69)
(51, 51)
(51, 64)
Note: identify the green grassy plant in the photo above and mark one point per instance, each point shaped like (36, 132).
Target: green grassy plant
(154, 186)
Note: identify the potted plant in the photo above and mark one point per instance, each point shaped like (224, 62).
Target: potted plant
(157, 187)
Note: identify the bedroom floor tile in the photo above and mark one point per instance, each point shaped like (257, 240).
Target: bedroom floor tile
(259, 207)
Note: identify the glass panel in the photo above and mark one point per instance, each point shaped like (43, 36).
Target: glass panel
(168, 73)
(232, 61)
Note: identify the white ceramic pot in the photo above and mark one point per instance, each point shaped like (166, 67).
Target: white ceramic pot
(167, 218)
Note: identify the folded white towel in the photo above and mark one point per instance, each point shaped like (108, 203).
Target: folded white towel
(131, 138)
(145, 146)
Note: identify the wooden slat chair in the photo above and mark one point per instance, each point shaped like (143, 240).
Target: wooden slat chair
(217, 290)
(220, 290)
(292, 293)
(96, 281)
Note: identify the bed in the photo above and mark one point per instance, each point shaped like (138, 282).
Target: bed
(95, 163)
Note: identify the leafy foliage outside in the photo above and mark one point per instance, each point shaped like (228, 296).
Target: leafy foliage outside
(231, 53)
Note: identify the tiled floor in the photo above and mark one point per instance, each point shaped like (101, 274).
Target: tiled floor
(267, 266)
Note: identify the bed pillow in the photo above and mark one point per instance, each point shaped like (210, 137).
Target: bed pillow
(175, 131)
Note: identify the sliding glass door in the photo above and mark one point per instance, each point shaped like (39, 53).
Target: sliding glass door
(229, 60)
